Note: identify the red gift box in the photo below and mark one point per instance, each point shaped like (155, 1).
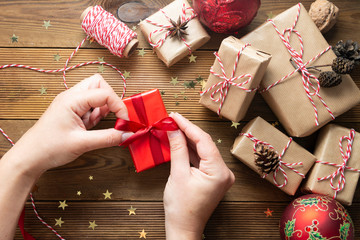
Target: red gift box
(149, 146)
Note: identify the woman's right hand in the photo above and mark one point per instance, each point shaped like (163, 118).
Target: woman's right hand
(193, 192)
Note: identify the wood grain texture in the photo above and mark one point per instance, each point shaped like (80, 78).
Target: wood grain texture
(235, 220)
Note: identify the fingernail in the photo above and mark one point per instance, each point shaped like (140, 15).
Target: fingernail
(173, 134)
(125, 136)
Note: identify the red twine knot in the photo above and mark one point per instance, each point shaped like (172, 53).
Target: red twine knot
(163, 27)
(281, 162)
(311, 89)
(228, 81)
(341, 167)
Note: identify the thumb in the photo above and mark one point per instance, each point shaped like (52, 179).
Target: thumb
(180, 163)
(103, 138)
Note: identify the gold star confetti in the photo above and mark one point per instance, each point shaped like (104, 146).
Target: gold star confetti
(199, 79)
(203, 236)
(189, 84)
(101, 59)
(14, 38)
(126, 74)
(131, 210)
(176, 96)
(185, 98)
(142, 52)
(134, 28)
(101, 68)
(174, 81)
(177, 103)
(59, 222)
(192, 58)
(42, 90)
(93, 225)
(62, 204)
(203, 85)
(107, 194)
(78, 193)
(268, 212)
(142, 234)
(270, 15)
(91, 40)
(57, 57)
(219, 141)
(46, 24)
(91, 178)
(182, 92)
(274, 124)
(234, 124)
(162, 92)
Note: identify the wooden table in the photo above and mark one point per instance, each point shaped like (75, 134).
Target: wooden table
(239, 216)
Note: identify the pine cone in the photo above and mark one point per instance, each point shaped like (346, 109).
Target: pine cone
(349, 49)
(329, 79)
(342, 65)
(266, 159)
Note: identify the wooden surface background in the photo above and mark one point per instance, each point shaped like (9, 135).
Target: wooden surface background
(239, 216)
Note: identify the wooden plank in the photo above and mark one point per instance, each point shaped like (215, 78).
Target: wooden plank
(25, 19)
(19, 88)
(113, 169)
(235, 220)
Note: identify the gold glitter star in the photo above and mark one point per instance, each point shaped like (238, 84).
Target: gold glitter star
(270, 15)
(126, 74)
(174, 81)
(176, 96)
(42, 90)
(192, 58)
(177, 103)
(93, 225)
(91, 178)
(203, 85)
(57, 57)
(131, 210)
(142, 52)
(101, 59)
(134, 28)
(203, 236)
(14, 38)
(142, 234)
(162, 92)
(107, 194)
(219, 141)
(185, 97)
(189, 84)
(62, 204)
(182, 92)
(234, 124)
(101, 68)
(91, 40)
(59, 222)
(268, 212)
(78, 193)
(199, 79)
(46, 24)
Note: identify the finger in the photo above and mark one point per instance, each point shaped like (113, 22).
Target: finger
(93, 81)
(180, 164)
(96, 139)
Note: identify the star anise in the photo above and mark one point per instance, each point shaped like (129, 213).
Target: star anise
(178, 28)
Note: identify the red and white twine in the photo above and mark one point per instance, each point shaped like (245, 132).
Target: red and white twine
(310, 88)
(281, 162)
(340, 171)
(164, 27)
(228, 81)
(31, 196)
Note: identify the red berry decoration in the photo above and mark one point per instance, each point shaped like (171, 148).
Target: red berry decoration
(226, 16)
(316, 217)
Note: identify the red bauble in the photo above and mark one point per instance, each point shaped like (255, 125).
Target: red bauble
(316, 217)
(226, 16)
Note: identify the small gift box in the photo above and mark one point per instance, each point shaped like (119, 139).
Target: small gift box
(174, 32)
(273, 155)
(234, 79)
(149, 121)
(336, 172)
(295, 95)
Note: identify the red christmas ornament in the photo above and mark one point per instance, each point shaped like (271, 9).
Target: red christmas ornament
(226, 16)
(316, 217)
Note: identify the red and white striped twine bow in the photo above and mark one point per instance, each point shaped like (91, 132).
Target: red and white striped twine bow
(31, 196)
(228, 81)
(298, 60)
(164, 27)
(281, 162)
(341, 167)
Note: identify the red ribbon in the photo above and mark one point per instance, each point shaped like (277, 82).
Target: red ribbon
(25, 234)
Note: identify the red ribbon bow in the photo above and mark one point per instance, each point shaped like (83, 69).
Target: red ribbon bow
(341, 167)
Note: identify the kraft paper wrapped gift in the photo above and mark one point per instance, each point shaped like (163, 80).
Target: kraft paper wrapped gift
(171, 49)
(288, 99)
(328, 152)
(251, 62)
(295, 159)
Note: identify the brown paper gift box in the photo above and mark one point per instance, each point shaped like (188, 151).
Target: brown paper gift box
(328, 149)
(174, 49)
(262, 130)
(288, 99)
(251, 61)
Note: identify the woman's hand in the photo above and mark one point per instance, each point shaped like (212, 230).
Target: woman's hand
(61, 134)
(193, 192)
